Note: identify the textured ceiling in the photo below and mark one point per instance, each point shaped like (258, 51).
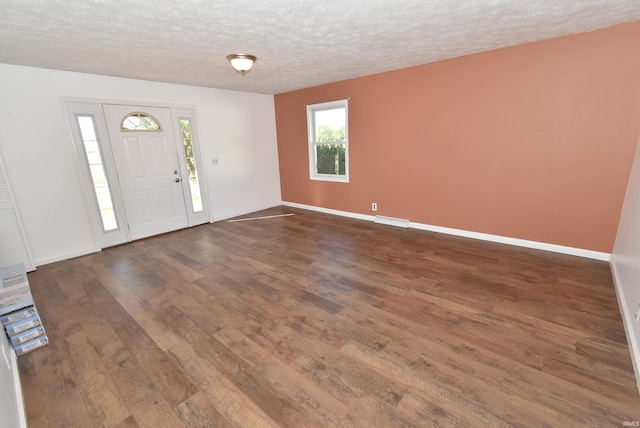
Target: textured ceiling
(299, 43)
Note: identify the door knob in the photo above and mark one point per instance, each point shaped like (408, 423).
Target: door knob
(177, 180)
(175, 171)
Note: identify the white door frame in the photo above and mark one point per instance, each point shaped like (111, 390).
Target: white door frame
(149, 171)
(101, 238)
(73, 107)
(201, 217)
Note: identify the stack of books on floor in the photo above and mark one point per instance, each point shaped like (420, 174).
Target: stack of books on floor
(18, 312)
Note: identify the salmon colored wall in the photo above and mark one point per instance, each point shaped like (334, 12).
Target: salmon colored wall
(533, 142)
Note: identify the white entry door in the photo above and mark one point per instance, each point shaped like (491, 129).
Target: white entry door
(148, 167)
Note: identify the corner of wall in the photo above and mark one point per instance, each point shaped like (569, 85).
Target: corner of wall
(627, 319)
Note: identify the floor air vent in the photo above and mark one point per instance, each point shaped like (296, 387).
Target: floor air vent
(390, 221)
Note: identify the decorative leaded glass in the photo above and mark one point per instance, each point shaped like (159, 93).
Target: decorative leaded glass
(139, 121)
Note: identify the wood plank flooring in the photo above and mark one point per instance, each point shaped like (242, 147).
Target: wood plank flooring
(313, 320)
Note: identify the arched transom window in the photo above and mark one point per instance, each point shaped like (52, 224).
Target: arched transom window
(139, 121)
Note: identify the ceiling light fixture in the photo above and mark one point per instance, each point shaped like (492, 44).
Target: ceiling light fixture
(242, 63)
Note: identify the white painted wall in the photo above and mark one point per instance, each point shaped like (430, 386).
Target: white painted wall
(237, 127)
(625, 262)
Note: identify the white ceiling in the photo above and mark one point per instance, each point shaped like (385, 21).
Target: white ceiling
(299, 43)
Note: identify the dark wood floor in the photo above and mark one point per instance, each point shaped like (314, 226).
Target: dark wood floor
(315, 320)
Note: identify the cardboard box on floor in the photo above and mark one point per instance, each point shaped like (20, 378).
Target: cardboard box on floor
(18, 313)
(15, 292)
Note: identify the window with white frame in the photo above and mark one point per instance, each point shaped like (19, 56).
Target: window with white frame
(327, 125)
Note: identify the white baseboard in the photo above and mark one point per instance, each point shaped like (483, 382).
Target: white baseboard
(572, 251)
(596, 255)
(61, 257)
(627, 320)
(329, 211)
(233, 214)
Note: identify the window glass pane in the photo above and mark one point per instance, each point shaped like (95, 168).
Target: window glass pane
(109, 219)
(330, 159)
(330, 125)
(93, 152)
(194, 185)
(98, 175)
(140, 122)
(328, 141)
(104, 198)
(86, 128)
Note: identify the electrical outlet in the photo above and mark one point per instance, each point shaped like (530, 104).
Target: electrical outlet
(638, 312)
(214, 161)
(374, 206)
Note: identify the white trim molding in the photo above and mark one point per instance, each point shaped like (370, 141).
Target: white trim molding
(596, 255)
(312, 109)
(329, 211)
(554, 248)
(67, 256)
(627, 319)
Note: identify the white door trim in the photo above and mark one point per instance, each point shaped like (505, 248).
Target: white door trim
(195, 218)
(73, 105)
(149, 172)
(101, 238)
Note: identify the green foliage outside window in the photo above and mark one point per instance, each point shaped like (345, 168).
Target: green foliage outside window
(330, 157)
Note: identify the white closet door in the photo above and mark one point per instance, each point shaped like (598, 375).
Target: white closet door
(14, 247)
